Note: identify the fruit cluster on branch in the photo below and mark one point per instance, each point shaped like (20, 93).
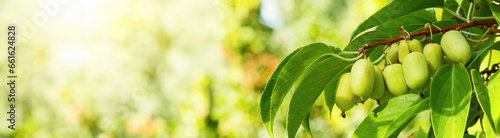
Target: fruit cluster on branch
(409, 66)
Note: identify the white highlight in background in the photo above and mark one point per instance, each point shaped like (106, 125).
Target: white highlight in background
(72, 55)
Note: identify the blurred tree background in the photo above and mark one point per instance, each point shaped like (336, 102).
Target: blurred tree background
(174, 68)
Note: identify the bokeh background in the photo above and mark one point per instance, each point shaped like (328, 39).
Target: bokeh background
(167, 68)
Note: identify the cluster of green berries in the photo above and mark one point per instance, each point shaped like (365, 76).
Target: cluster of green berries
(410, 67)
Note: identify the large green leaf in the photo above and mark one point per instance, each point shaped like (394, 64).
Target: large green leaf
(305, 124)
(390, 117)
(285, 75)
(331, 89)
(431, 133)
(450, 96)
(474, 112)
(482, 94)
(494, 93)
(410, 22)
(367, 38)
(395, 10)
(488, 129)
(406, 116)
(310, 88)
(311, 66)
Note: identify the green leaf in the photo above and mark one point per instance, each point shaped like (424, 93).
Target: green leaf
(406, 116)
(477, 56)
(474, 112)
(431, 133)
(310, 88)
(282, 79)
(305, 124)
(390, 117)
(494, 93)
(367, 38)
(488, 129)
(450, 96)
(311, 66)
(331, 89)
(410, 22)
(482, 94)
(420, 133)
(395, 10)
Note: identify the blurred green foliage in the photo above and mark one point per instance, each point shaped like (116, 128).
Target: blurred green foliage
(169, 68)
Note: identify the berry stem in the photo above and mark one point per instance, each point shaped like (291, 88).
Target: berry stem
(471, 6)
(475, 18)
(489, 22)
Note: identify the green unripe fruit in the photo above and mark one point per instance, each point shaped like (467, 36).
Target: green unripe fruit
(456, 47)
(403, 50)
(447, 60)
(408, 45)
(434, 56)
(344, 98)
(416, 71)
(379, 84)
(392, 53)
(387, 96)
(362, 77)
(415, 45)
(395, 80)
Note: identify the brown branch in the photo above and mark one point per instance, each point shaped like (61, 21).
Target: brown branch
(488, 72)
(489, 22)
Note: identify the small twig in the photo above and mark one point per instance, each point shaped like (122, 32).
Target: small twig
(455, 14)
(350, 52)
(493, 28)
(474, 34)
(493, 69)
(482, 18)
(478, 41)
(481, 38)
(458, 9)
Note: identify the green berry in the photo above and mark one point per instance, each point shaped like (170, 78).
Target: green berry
(456, 47)
(379, 84)
(407, 46)
(344, 98)
(416, 71)
(415, 45)
(395, 80)
(434, 56)
(362, 77)
(392, 54)
(403, 50)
